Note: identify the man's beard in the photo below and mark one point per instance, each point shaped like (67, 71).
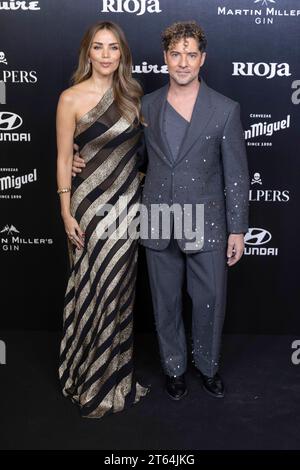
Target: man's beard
(190, 80)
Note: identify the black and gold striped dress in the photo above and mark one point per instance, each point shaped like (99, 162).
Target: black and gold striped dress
(96, 368)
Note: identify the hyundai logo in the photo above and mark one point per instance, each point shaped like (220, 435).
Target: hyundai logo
(9, 121)
(257, 236)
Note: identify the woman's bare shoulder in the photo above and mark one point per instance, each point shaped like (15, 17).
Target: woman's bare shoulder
(68, 97)
(72, 95)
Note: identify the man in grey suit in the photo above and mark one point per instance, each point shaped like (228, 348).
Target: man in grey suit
(196, 157)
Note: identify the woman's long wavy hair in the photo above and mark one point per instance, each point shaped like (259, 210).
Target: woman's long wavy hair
(127, 91)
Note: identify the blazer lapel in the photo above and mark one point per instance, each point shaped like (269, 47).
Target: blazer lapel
(157, 111)
(202, 113)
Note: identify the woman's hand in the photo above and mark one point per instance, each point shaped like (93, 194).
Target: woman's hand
(74, 232)
(141, 176)
(78, 163)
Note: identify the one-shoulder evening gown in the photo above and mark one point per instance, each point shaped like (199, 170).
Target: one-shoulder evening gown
(96, 365)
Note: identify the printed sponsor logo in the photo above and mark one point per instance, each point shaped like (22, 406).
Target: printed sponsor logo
(149, 68)
(10, 122)
(16, 76)
(255, 239)
(263, 128)
(21, 5)
(262, 12)
(11, 239)
(10, 184)
(261, 69)
(137, 7)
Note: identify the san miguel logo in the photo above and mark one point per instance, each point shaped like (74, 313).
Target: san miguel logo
(12, 182)
(260, 132)
(265, 128)
(261, 11)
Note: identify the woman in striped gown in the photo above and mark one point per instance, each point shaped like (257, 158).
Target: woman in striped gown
(101, 113)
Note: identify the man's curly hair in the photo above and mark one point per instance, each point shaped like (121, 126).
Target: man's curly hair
(183, 30)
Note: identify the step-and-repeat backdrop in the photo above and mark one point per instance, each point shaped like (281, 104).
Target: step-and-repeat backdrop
(253, 56)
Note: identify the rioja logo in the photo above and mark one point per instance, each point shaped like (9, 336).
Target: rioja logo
(261, 69)
(139, 7)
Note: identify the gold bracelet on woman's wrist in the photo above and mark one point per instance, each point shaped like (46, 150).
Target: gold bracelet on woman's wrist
(63, 190)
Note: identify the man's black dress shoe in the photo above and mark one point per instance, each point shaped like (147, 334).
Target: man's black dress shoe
(213, 385)
(175, 387)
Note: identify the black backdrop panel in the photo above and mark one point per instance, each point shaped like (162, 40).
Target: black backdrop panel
(253, 57)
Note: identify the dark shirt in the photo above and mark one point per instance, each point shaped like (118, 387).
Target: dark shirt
(175, 129)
